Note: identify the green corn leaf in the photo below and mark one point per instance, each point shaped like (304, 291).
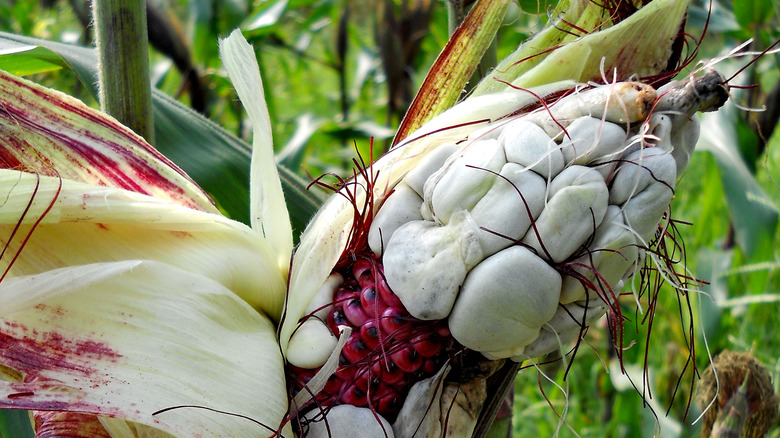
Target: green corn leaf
(266, 16)
(24, 59)
(14, 424)
(750, 13)
(753, 214)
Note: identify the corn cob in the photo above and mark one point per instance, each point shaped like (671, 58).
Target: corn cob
(507, 241)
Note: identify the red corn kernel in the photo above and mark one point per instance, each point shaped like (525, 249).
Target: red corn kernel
(355, 350)
(393, 319)
(353, 310)
(346, 370)
(342, 295)
(369, 333)
(387, 371)
(371, 302)
(353, 395)
(429, 366)
(362, 268)
(387, 400)
(407, 359)
(387, 295)
(427, 344)
(336, 318)
(364, 379)
(332, 385)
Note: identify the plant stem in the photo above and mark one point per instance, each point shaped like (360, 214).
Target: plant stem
(455, 14)
(498, 387)
(123, 63)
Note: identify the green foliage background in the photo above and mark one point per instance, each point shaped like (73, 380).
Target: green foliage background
(329, 92)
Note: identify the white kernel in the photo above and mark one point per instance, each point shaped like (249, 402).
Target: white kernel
(322, 302)
(311, 344)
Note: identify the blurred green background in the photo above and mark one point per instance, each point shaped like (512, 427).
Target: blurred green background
(340, 72)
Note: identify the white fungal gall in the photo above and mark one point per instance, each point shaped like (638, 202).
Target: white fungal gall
(506, 211)
(402, 206)
(527, 144)
(431, 163)
(563, 327)
(644, 187)
(588, 139)
(675, 133)
(460, 183)
(311, 344)
(679, 101)
(504, 301)
(609, 257)
(425, 263)
(577, 204)
(346, 421)
(576, 187)
(640, 170)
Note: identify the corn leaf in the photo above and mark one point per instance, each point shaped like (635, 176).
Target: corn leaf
(24, 59)
(753, 214)
(580, 58)
(217, 160)
(15, 423)
(139, 307)
(454, 66)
